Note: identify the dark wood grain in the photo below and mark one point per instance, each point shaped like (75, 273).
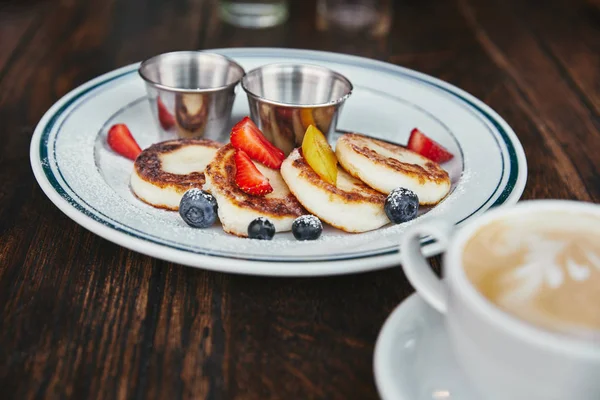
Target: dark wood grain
(84, 318)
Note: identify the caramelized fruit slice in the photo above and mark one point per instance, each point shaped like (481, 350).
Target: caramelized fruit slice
(319, 155)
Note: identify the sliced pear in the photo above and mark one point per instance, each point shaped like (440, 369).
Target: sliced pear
(319, 155)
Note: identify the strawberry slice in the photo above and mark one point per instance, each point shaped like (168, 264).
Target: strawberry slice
(246, 136)
(427, 147)
(248, 177)
(164, 116)
(120, 140)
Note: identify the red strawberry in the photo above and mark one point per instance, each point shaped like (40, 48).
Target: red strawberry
(164, 116)
(248, 177)
(246, 136)
(427, 147)
(120, 140)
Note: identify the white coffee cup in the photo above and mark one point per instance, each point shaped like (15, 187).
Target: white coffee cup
(503, 357)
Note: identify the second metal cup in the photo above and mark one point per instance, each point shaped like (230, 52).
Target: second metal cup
(285, 99)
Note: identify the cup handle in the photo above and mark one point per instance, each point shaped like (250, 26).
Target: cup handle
(417, 269)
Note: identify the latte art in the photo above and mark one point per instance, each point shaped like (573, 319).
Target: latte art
(543, 268)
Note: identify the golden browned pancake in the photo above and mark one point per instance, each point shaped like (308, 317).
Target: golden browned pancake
(163, 172)
(237, 208)
(385, 166)
(350, 205)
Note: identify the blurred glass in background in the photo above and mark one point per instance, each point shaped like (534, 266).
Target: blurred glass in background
(254, 13)
(371, 17)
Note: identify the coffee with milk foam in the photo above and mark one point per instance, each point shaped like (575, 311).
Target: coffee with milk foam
(543, 268)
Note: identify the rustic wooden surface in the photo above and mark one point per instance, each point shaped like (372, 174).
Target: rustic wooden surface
(83, 318)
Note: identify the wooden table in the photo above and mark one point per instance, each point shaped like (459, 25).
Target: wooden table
(84, 318)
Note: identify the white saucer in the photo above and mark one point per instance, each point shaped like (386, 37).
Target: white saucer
(413, 359)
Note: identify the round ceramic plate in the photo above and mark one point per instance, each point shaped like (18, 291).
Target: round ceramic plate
(89, 183)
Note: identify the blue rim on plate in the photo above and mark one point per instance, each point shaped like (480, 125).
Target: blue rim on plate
(41, 145)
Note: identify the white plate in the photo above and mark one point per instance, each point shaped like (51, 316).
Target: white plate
(413, 359)
(89, 183)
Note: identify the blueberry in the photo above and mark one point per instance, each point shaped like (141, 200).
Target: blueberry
(198, 208)
(307, 227)
(401, 205)
(261, 228)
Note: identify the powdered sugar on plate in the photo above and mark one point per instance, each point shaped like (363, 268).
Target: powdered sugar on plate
(97, 179)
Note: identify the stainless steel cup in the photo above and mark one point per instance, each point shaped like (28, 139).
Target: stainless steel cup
(285, 99)
(191, 93)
